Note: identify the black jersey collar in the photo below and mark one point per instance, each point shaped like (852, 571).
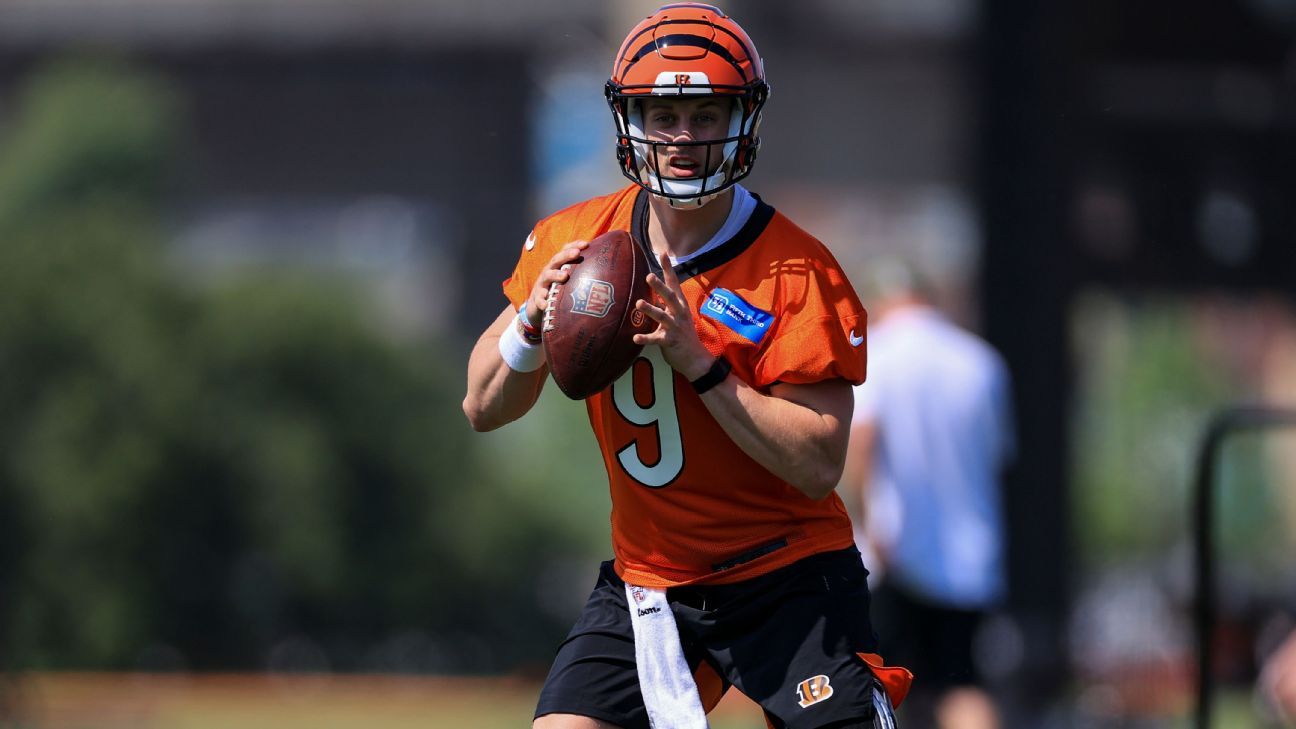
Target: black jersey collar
(721, 254)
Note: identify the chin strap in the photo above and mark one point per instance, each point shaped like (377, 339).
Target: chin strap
(691, 203)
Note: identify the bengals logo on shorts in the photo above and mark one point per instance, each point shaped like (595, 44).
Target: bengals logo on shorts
(813, 690)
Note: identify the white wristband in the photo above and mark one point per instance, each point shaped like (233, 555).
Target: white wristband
(517, 353)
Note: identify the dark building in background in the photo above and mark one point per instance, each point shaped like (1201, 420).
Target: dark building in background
(1134, 148)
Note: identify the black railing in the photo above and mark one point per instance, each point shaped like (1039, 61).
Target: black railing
(1223, 424)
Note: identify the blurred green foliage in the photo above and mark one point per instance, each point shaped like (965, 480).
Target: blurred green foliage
(1149, 383)
(247, 472)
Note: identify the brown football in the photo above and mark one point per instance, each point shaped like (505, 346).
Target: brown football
(591, 320)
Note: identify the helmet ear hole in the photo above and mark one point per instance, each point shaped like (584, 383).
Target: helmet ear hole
(623, 153)
(628, 159)
(743, 157)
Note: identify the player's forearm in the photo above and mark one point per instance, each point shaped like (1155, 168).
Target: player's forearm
(800, 445)
(501, 397)
(497, 394)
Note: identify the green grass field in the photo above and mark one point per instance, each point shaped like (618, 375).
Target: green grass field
(147, 701)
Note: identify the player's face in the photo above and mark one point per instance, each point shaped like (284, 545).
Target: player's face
(687, 120)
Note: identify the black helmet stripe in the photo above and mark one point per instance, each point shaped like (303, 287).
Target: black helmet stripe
(691, 21)
(746, 51)
(695, 41)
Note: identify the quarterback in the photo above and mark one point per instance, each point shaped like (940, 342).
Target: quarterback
(734, 563)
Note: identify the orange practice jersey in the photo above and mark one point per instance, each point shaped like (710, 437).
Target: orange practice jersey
(688, 505)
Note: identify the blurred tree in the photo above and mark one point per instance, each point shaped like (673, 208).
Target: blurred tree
(242, 473)
(1150, 386)
(87, 128)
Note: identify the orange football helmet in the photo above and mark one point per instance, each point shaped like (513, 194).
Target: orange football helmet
(687, 49)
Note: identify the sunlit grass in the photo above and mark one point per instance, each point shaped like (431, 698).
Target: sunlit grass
(175, 701)
(252, 701)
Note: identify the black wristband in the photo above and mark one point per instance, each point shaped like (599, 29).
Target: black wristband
(719, 371)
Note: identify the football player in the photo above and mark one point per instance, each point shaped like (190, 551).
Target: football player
(734, 559)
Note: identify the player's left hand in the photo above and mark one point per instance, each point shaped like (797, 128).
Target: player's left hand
(679, 342)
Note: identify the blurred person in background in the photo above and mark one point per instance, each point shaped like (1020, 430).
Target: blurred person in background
(932, 432)
(735, 561)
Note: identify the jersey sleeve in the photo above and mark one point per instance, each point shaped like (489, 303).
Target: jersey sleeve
(820, 334)
(582, 221)
(517, 287)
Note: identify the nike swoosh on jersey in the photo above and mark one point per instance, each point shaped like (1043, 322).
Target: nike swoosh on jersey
(854, 340)
(530, 241)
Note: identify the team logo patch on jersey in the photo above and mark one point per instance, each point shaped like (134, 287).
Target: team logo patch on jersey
(593, 298)
(813, 690)
(729, 309)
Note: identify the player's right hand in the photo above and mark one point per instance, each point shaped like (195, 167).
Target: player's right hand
(553, 272)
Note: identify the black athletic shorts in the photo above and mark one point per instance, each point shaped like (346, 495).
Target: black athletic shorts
(787, 639)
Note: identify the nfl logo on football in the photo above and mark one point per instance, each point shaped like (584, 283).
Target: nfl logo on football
(593, 298)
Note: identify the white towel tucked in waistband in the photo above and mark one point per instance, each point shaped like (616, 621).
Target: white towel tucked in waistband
(669, 692)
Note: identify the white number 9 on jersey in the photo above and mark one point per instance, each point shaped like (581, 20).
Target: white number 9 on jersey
(661, 414)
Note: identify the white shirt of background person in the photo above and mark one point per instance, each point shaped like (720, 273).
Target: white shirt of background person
(939, 399)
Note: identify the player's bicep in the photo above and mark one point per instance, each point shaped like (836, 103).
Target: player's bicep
(818, 434)
(831, 399)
